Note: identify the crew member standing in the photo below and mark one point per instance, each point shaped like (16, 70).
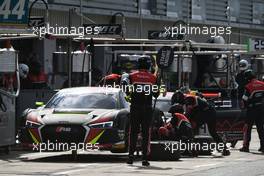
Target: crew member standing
(254, 103)
(142, 82)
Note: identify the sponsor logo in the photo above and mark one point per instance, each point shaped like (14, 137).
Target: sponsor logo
(63, 129)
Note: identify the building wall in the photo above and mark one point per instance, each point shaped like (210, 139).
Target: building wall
(244, 16)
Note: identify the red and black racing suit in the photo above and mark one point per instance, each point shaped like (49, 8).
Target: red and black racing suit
(201, 112)
(141, 110)
(254, 102)
(178, 128)
(241, 81)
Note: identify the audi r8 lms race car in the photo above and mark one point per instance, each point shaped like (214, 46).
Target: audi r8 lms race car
(89, 115)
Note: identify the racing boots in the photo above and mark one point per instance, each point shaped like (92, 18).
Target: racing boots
(226, 152)
(244, 149)
(130, 159)
(145, 163)
(261, 149)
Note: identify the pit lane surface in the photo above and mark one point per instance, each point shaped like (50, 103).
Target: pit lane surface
(103, 163)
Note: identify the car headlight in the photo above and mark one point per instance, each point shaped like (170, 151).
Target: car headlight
(101, 125)
(32, 124)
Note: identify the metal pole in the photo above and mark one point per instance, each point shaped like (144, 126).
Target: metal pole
(229, 21)
(69, 51)
(81, 12)
(92, 51)
(140, 18)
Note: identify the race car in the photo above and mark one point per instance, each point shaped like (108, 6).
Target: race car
(87, 115)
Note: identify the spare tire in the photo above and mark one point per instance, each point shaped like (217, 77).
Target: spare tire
(162, 151)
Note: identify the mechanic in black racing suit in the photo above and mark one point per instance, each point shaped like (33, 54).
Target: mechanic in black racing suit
(200, 112)
(254, 103)
(142, 83)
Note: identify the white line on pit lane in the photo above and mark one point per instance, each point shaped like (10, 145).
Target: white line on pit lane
(245, 159)
(31, 156)
(207, 165)
(67, 172)
(79, 168)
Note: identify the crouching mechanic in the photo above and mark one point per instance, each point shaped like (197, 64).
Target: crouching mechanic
(179, 126)
(254, 103)
(143, 85)
(200, 112)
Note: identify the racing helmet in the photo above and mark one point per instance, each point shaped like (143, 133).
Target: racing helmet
(23, 70)
(185, 89)
(125, 79)
(243, 65)
(176, 108)
(217, 40)
(190, 100)
(144, 62)
(249, 75)
(177, 97)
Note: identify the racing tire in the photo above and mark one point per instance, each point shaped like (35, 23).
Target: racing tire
(201, 140)
(74, 155)
(233, 143)
(7, 150)
(160, 153)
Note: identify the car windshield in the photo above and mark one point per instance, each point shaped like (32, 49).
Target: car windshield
(163, 105)
(83, 101)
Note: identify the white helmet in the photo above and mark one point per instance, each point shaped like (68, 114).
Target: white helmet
(23, 70)
(243, 65)
(125, 79)
(219, 40)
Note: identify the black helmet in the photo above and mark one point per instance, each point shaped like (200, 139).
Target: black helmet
(177, 97)
(176, 108)
(144, 62)
(249, 75)
(189, 100)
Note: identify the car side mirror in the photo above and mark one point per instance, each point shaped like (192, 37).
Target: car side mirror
(39, 104)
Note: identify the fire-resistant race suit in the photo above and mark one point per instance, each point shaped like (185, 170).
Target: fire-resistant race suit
(143, 84)
(254, 102)
(201, 112)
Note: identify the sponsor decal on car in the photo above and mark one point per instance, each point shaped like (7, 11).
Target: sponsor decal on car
(63, 129)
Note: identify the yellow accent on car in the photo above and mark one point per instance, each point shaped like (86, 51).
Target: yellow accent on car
(96, 138)
(33, 137)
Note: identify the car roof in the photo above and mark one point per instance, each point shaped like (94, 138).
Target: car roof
(87, 90)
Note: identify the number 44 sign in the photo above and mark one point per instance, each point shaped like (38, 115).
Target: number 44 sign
(14, 11)
(255, 44)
